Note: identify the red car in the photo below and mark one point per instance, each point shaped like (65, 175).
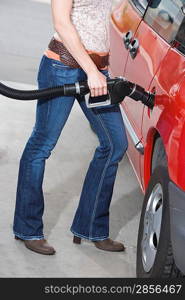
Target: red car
(148, 48)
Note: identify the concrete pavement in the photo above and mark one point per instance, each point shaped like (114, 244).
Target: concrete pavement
(65, 170)
(25, 30)
(64, 176)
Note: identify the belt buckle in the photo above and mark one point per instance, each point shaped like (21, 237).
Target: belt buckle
(91, 101)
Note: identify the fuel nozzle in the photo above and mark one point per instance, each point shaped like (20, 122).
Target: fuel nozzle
(119, 88)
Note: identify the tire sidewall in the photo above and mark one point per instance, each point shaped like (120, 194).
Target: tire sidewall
(160, 175)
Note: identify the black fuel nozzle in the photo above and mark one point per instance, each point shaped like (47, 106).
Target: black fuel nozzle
(120, 88)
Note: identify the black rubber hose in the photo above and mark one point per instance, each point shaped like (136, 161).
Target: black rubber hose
(65, 90)
(31, 94)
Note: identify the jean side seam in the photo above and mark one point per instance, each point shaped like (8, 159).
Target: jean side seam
(102, 176)
(26, 178)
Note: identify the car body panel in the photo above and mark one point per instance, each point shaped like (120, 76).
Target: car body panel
(168, 116)
(124, 18)
(160, 68)
(155, 59)
(152, 50)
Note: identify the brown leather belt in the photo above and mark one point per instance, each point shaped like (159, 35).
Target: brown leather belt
(66, 58)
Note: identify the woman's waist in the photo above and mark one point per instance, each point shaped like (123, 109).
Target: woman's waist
(56, 50)
(98, 43)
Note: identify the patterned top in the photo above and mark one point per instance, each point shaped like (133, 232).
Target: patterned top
(91, 19)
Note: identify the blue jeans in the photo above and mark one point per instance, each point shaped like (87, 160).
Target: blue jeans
(91, 220)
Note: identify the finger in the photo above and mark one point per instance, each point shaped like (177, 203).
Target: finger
(96, 92)
(92, 92)
(101, 91)
(105, 90)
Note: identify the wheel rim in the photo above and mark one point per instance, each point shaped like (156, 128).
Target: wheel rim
(152, 227)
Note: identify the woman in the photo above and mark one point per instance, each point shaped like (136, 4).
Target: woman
(79, 51)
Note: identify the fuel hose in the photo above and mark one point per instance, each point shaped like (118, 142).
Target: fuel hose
(118, 89)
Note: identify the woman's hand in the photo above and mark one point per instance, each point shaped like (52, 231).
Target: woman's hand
(97, 83)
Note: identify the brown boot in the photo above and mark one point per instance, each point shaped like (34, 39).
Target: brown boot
(109, 245)
(39, 246)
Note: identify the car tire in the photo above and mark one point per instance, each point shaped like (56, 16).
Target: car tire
(159, 155)
(154, 250)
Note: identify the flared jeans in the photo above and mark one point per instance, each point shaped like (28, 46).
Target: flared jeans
(91, 220)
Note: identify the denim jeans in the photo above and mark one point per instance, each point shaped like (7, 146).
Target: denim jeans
(91, 220)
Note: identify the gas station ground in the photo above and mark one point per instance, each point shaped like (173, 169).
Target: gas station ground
(65, 169)
(65, 172)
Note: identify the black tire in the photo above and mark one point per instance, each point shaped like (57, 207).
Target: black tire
(159, 155)
(163, 265)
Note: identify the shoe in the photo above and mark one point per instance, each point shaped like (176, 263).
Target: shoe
(109, 245)
(77, 240)
(106, 245)
(38, 246)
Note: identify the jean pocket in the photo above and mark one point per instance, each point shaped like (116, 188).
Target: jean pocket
(63, 73)
(59, 65)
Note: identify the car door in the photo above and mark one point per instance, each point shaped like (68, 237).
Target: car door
(146, 52)
(125, 20)
(167, 80)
